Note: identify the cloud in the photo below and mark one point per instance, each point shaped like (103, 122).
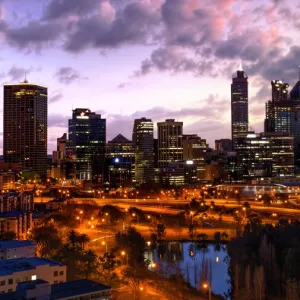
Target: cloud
(35, 34)
(67, 75)
(55, 97)
(132, 26)
(61, 8)
(123, 85)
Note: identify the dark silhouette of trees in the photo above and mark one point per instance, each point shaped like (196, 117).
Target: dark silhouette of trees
(8, 236)
(161, 231)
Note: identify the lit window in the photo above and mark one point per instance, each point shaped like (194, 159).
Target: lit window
(33, 277)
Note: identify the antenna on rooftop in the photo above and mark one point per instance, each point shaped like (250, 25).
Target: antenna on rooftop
(25, 80)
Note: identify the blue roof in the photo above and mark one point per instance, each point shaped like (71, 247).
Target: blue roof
(60, 290)
(76, 288)
(14, 213)
(10, 266)
(16, 244)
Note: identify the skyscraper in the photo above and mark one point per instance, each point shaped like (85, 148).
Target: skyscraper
(87, 133)
(142, 138)
(25, 126)
(170, 142)
(239, 105)
(282, 115)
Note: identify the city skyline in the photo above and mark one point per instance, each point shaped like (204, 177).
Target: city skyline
(159, 73)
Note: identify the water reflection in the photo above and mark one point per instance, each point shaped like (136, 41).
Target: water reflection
(196, 262)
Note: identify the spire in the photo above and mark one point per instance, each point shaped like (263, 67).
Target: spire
(25, 80)
(240, 66)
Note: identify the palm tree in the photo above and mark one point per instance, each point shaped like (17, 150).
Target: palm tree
(77, 240)
(202, 237)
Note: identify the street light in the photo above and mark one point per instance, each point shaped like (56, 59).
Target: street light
(104, 243)
(207, 286)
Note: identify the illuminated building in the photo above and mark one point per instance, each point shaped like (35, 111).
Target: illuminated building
(265, 155)
(63, 162)
(194, 149)
(178, 174)
(282, 115)
(170, 142)
(142, 138)
(119, 162)
(25, 126)
(87, 134)
(239, 105)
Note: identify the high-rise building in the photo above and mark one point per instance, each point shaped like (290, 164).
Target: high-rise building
(87, 134)
(119, 162)
(265, 155)
(142, 138)
(170, 142)
(279, 90)
(194, 150)
(25, 126)
(239, 105)
(282, 115)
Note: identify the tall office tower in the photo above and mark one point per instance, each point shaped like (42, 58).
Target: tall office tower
(279, 90)
(119, 162)
(282, 115)
(87, 133)
(239, 105)
(194, 151)
(25, 126)
(170, 142)
(142, 138)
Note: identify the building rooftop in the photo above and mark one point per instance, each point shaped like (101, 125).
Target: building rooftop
(16, 244)
(59, 290)
(11, 266)
(76, 287)
(120, 139)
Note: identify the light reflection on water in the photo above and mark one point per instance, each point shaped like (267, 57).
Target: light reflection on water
(191, 261)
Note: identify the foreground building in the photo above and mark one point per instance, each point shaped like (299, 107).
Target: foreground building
(42, 290)
(25, 112)
(239, 105)
(265, 155)
(14, 271)
(17, 249)
(142, 138)
(87, 134)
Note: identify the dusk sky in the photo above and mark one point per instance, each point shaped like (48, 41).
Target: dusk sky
(149, 58)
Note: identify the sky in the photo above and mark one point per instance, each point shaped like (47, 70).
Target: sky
(158, 59)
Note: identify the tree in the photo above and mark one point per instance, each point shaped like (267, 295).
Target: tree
(161, 231)
(133, 278)
(133, 244)
(224, 236)
(8, 236)
(202, 237)
(107, 265)
(192, 231)
(88, 264)
(112, 213)
(77, 240)
(47, 240)
(217, 236)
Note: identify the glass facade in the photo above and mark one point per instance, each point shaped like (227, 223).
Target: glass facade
(87, 134)
(25, 112)
(239, 105)
(143, 141)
